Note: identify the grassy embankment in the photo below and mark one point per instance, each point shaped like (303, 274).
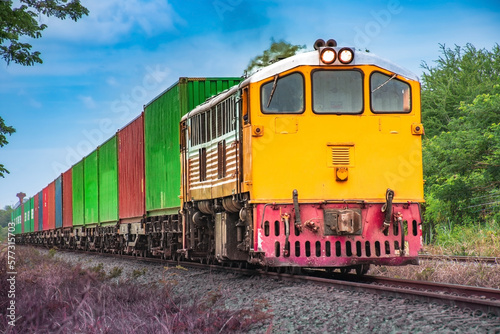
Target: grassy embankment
(469, 240)
(52, 296)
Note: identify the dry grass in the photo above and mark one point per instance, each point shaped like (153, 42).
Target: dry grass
(468, 240)
(472, 273)
(53, 297)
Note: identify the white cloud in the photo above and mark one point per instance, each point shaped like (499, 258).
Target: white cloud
(112, 20)
(34, 103)
(88, 101)
(112, 81)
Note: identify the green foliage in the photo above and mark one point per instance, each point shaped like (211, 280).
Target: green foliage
(461, 112)
(52, 252)
(5, 215)
(115, 272)
(459, 76)
(4, 130)
(471, 239)
(138, 273)
(277, 51)
(3, 233)
(16, 23)
(99, 271)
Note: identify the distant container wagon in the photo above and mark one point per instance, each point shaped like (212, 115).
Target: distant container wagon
(16, 218)
(91, 192)
(78, 188)
(67, 207)
(51, 206)
(29, 209)
(108, 182)
(131, 170)
(58, 202)
(35, 213)
(40, 211)
(27, 216)
(67, 191)
(32, 214)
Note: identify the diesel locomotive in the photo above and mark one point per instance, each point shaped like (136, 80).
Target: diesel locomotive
(312, 161)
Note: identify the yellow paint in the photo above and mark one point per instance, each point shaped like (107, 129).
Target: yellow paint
(295, 151)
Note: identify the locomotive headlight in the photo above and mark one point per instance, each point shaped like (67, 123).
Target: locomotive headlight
(346, 56)
(328, 55)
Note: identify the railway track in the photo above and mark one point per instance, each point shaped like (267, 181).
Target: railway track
(477, 299)
(482, 259)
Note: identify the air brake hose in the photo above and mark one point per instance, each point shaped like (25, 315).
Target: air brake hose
(402, 247)
(298, 222)
(286, 220)
(387, 208)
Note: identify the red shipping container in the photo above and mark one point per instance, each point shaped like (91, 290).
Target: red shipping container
(67, 190)
(45, 211)
(52, 205)
(49, 207)
(131, 200)
(36, 213)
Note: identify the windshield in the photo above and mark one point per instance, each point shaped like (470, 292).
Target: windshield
(283, 95)
(339, 92)
(388, 94)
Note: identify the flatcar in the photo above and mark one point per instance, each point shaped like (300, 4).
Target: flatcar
(313, 161)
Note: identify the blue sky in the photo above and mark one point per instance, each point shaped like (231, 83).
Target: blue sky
(99, 72)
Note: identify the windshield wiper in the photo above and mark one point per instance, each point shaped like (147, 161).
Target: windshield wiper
(272, 90)
(383, 84)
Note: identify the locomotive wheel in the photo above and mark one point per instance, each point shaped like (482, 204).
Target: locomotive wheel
(345, 270)
(362, 269)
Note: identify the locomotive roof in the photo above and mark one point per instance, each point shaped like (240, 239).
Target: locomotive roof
(312, 59)
(303, 59)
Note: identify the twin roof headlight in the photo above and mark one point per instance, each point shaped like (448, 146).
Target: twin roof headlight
(328, 55)
(346, 55)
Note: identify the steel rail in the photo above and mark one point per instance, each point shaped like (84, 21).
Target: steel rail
(457, 258)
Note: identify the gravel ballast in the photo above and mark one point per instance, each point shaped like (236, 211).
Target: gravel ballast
(298, 307)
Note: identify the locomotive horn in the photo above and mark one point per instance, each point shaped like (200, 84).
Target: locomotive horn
(331, 43)
(319, 44)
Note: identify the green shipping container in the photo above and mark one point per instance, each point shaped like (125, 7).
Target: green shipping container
(27, 216)
(17, 220)
(32, 215)
(161, 136)
(91, 179)
(78, 194)
(12, 220)
(108, 181)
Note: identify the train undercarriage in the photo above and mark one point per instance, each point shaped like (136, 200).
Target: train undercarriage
(351, 235)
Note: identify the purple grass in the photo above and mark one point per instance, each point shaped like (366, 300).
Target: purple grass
(52, 297)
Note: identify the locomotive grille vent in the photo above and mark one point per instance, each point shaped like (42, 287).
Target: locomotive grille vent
(340, 156)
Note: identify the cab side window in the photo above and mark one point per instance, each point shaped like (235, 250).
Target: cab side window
(283, 95)
(389, 95)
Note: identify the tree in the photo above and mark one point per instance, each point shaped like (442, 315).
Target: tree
(4, 129)
(5, 215)
(18, 22)
(461, 112)
(277, 51)
(459, 76)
